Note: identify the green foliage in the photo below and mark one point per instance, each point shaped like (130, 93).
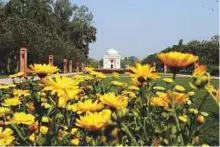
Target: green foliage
(92, 63)
(44, 27)
(208, 52)
(131, 60)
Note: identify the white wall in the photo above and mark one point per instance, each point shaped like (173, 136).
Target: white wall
(107, 61)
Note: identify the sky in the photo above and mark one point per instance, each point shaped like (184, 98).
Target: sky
(142, 27)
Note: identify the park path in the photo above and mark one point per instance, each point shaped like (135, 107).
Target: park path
(9, 80)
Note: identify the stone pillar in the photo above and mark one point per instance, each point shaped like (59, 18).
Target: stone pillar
(51, 59)
(23, 61)
(165, 68)
(77, 66)
(70, 66)
(196, 64)
(65, 66)
(154, 66)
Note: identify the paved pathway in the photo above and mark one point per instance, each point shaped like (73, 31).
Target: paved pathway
(9, 80)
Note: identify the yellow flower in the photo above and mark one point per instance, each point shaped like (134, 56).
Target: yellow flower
(11, 85)
(19, 92)
(200, 70)
(46, 105)
(183, 118)
(141, 73)
(157, 101)
(205, 145)
(22, 118)
(166, 99)
(4, 87)
(131, 94)
(60, 85)
(179, 88)
(88, 105)
(89, 69)
(115, 75)
(43, 70)
(32, 137)
(4, 110)
(43, 129)
(168, 80)
(75, 141)
(19, 74)
(191, 93)
(12, 102)
(111, 100)
(98, 75)
(177, 59)
(94, 121)
(120, 84)
(159, 88)
(6, 136)
(73, 131)
(45, 119)
(132, 87)
(72, 107)
(193, 110)
(204, 113)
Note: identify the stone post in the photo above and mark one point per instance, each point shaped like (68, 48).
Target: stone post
(23, 61)
(196, 64)
(165, 68)
(154, 65)
(65, 66)
(77, 66)
(70, 66)
(51, 59)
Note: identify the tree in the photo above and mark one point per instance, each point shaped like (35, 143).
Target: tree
(44, 27)
(206, 50)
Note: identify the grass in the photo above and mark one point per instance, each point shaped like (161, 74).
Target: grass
(210, 130)
(3, 76)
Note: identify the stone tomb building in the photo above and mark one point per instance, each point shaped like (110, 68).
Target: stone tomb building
(111, 59)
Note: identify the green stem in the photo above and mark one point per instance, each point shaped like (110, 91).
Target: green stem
(178, 128)
(133, 140)
(18, 132)
(214, 97)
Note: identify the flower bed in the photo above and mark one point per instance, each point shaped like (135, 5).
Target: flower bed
(102, 70)
(83, 110)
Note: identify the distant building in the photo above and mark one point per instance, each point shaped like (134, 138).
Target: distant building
(111, 59)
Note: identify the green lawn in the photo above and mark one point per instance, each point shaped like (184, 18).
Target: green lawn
(210, 130)
(3, 76)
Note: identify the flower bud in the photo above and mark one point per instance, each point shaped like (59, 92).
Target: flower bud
(122, 112)
(196, 139)
(114, 132)
(200, 119)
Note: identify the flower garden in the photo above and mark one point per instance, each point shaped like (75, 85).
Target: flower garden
(84, 110)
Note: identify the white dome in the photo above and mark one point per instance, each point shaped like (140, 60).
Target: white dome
(112, 52)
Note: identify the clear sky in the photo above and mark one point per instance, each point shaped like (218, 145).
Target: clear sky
(142, 27)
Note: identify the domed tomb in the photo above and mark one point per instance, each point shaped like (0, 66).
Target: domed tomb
(111, 59)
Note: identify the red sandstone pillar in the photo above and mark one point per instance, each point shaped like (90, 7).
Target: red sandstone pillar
(23, 61)
(65, 66)
(196, 64)
(70, 66)
(165, 68)
(51, 59)
(77, 66)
